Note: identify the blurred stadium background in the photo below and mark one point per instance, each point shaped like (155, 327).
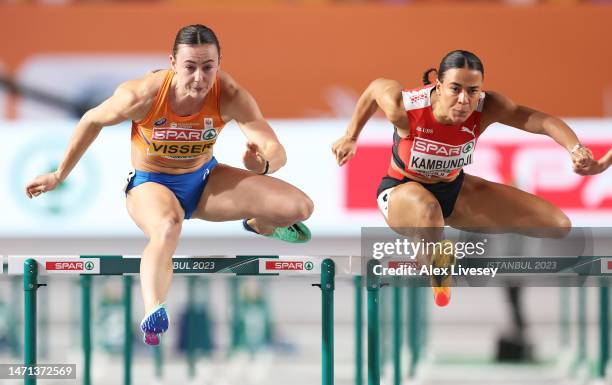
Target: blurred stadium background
(306, 63)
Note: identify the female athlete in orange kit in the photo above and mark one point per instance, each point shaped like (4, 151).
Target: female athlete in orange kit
(176, 117)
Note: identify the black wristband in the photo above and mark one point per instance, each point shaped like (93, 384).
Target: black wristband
(265, 171)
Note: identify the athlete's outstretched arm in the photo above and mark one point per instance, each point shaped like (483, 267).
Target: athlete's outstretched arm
(124, 104)
(263, 145)
(381, 93)
(499, 108)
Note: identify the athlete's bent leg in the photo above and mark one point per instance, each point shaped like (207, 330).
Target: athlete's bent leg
(233, 194)
(494, 207)
(413, 208)
(415, 212)
(155, 209)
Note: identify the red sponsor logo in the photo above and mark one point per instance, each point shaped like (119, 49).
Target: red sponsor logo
(425, 130)
(65, 266)
(434, 148)
(284, 265)
(610, 265)
(177, 134)
(406, 264)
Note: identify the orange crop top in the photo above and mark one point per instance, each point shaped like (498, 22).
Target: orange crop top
(165, 135)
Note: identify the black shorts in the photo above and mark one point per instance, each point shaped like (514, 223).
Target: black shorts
(445, 192)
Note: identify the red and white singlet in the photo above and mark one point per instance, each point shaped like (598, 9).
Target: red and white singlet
(433, 149)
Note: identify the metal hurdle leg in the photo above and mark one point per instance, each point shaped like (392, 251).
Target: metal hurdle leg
(191, 327)
(566, 363)
(237, 332)
(358, 331)
(582, 326)
(373, 290)
(127, 327)
(564, 317)
(158, 357)
(30, 287)
(397, 334)
(327, 285)
(413, 325)
(604, 329)
(423, 320)
(386, 331)
(580, 362)
(86, 327)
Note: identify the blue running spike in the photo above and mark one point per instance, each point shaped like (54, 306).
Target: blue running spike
(156, 322)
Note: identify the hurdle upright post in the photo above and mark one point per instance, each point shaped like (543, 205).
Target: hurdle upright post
(582, 326)
(373, 289)
(328, 285)
(86, 327)
(127, 330)
(191, 328)
(564, 316)
(397, 333)
(158, 357)
(237, 324)
(358, 330)
(30, 287)
(604, 328)
(413, 328)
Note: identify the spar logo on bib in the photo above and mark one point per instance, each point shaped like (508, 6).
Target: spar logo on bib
(209, 134)
(181, 143)
(431, 158)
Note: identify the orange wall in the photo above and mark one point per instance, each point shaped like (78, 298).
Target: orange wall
(554, 58)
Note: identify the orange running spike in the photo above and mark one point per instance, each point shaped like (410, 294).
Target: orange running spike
(441, 295)
(440, 284)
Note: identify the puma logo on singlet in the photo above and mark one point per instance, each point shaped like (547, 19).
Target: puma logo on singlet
(465, 129)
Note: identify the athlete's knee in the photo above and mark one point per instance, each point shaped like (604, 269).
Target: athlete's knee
(431, 214)
(562, 224)
(294, 211)
(167, 229)
(429, 211)
(425, 210)
(304, 208)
